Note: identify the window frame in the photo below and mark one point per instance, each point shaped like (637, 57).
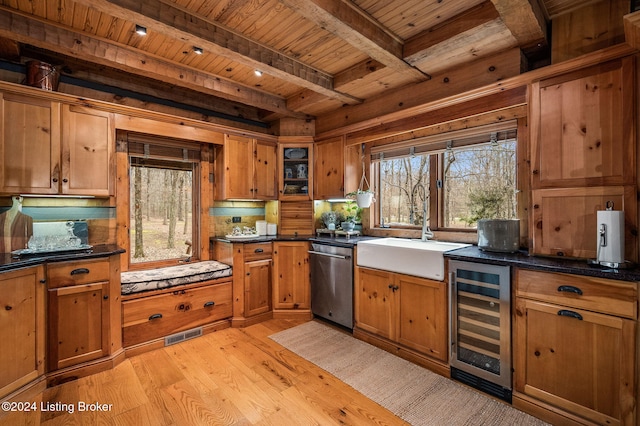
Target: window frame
(435, 147)
(196, 203)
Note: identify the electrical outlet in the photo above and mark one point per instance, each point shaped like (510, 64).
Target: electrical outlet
(236, 219)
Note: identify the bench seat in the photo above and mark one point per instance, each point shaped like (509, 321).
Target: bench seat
(133, 282)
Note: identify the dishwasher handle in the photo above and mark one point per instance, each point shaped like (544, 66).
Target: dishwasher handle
(338, 256)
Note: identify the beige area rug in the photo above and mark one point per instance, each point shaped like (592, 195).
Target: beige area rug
(411, 392)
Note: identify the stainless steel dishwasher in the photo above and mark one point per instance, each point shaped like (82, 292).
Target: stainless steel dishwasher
(332, 283)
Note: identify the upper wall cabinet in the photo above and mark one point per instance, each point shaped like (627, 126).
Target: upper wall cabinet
(30, 154)
(246, 169)
(296, 171)
(41, 156)
(88, 152)
(329, 170)
(583, 127)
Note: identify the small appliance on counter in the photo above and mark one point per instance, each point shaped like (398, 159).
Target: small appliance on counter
(499, 235)
(610, 238)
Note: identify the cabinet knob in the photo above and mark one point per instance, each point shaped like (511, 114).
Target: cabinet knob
(55, 180)
(65, 180)
(8, 308)
(43, 281)
(105, 297)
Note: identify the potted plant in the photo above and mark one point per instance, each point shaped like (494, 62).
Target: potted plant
(363, 197)
(329, 219)
(352, 215)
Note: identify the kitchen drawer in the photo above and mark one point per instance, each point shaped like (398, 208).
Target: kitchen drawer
(65, 274)
(256, 251)
(594, 294)
(153, 317)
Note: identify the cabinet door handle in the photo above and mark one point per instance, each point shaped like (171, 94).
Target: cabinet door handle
(65, 180)
(569, 289)
(258, 250)
(105, 297)
(210, 303)
(570, 314)
(155, 316)
(80, 271)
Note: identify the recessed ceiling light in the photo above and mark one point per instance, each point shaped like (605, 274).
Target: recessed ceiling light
(258, 73)
(197, 50)
(141, 30)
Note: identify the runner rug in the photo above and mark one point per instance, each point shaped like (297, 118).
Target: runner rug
(413, 393)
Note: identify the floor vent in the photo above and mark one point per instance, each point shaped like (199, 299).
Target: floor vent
(183, 335)
(481, 384)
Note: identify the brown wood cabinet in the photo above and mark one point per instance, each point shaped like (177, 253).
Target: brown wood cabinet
(329, 169)
(88, 152)
(291, 279)
(409, 310)
(149, 317)
(565, 219)
(583, 127)
(575, 348)
(246, 169)
(296, 171)
(30, 154)
(84, 319)
(49, 148)
(252, 277)
(22, 328)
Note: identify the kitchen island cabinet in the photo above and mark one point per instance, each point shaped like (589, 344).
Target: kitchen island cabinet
(403, 314)
(22, 328)
(575, 348)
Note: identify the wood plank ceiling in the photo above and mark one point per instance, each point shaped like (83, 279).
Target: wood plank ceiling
(315, 56)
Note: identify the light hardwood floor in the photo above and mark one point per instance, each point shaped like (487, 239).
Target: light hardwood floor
(229, 377)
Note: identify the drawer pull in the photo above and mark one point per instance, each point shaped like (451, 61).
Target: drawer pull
(155, 316)
(80, 271)
(571, 314)
(258, 250)
(570, 289)
(210, 303)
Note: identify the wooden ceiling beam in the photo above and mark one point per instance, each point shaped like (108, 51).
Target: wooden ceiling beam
(181, 25)
(27, 29)
(348, 22)
(525, 19)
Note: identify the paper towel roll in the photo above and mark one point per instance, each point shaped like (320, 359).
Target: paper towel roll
(611, 248)
(261, 227)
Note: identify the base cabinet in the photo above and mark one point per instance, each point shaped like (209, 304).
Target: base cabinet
(404, 309)
(84, 318)
(575, 346)
(22, 328)
(291, 277)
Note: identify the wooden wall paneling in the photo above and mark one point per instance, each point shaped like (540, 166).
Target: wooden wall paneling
(122, 195)
(206, 201)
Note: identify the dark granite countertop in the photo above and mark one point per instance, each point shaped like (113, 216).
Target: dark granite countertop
(337, 241)
(9, 262)
(546, 264)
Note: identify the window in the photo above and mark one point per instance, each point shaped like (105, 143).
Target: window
(163, 201)
(479, 182)
(447, 183)
(404, 190)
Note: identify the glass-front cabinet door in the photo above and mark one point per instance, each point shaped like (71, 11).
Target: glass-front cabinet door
(296, 171)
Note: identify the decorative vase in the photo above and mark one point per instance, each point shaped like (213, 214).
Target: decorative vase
(347, 226)
(363, 200)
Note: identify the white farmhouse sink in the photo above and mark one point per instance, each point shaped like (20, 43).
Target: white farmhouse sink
(412, 257)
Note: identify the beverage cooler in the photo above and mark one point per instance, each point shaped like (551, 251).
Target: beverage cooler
(481, 326)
